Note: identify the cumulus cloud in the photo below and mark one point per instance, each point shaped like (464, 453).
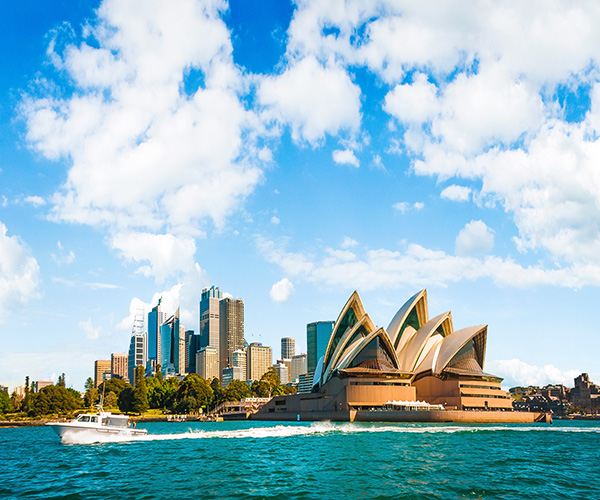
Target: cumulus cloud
(282, 290)
(165, 253)
(413, 103)
(313, 99)
(345, 157)
(456, 193)
(416, 265)
(474, 239)
(404, 206)
(349, 242)
(36, 201)
(19, 273)
(476, 90)
(144, 153)
(518, 373)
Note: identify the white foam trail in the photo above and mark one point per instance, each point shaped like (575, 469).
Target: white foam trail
(284, 431)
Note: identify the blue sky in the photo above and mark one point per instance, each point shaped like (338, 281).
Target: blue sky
(291, 153)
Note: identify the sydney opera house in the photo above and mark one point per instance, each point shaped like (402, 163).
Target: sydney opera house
(366, 369)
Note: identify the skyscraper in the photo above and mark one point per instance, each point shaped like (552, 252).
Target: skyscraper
(172, 344)
(231, 331)
(299, 366)
(288, 347)
(239, 361)
(259, 359)
(207, 363)
(118, 366)
(209, 317)
(317, 338)
(155, 319)
(192, 345)
(137, 355)
(101, 369)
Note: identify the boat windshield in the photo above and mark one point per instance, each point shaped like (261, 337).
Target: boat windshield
(84, 418)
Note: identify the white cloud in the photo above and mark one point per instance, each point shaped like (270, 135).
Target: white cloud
(401, 206)
(36, 201)
(518, 373)
(345, 157)
(19, 274)
(91, 332)
(404, 206)
(282, 290)
(456, 193)
(474, 239)
(349, 242)
(167, 255)
(418, 266)
(143, 154)
(413, 103)
(275, 220)
(313, 99)
(183, 295)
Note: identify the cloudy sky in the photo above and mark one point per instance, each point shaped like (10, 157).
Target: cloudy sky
(291, 153)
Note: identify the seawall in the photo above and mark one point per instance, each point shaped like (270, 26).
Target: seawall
(454, 416)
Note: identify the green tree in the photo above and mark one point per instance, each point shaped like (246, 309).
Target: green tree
(115, 385)
(5, 402)
(139, 402)
(124, 401)
(61, 380)
(54, 399)
(237, 390)
(91, 396)
(89, 384)
(193, 393)
(159, 374)
(110, 400)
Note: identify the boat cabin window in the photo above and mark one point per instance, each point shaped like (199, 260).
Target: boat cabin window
(84, 418)
(94, 419)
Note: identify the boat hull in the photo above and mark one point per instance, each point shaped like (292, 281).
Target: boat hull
(69, 432)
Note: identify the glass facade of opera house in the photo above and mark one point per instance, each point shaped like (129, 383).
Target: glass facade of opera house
(416, 358)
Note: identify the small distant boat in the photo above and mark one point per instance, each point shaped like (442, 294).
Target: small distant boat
(98, 424)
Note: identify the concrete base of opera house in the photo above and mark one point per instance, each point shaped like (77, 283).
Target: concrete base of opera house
(454, 416)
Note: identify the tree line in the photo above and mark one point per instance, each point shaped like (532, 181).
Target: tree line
(190, 395)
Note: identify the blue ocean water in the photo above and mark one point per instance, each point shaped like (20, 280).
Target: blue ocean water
(255, 460)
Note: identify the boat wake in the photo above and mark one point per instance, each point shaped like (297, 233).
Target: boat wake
(320, 428)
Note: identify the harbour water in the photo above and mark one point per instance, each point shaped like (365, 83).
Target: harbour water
(255, 460)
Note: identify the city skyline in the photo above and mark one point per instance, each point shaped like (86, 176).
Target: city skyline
(291, 154)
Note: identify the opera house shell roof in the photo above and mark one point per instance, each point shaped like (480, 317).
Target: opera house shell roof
(413, 345)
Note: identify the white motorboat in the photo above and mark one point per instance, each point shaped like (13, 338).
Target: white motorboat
(96, 426)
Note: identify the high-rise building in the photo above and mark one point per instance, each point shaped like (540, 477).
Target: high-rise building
(317, 338)
(172, 346)
(259, 359)
(207, 363)
(118, 366)
(282, 371)
(299, 366)
(231, 373)
(138, 355)
(155, 319)
(192, 344)
(102, 371)
(288, 347)
(209, 317)
(231, 333)
(239, 361)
